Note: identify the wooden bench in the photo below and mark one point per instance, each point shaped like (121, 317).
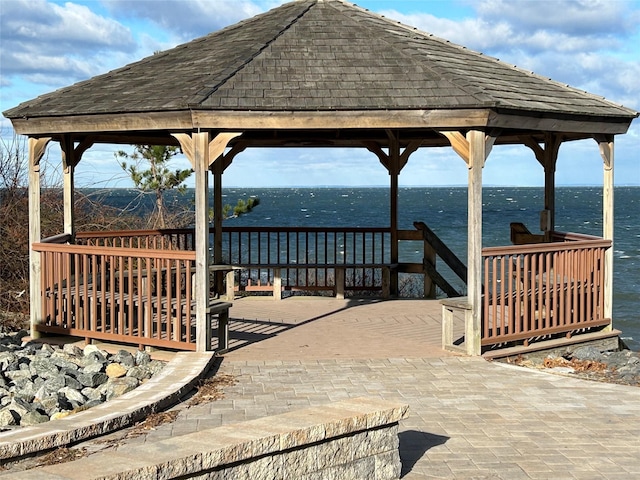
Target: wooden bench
(339, 269)
(216, 307)
(66, 299)
(451, 307)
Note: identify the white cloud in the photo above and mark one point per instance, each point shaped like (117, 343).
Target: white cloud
(45, 40)
(570, 41)
(495, 35)
(574, 17)
(188, 19)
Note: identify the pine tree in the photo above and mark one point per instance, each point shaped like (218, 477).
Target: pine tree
(157, 178)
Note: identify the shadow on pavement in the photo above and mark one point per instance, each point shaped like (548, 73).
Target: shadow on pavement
(414, 444)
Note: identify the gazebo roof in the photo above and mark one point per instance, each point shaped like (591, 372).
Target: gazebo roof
(322, 59)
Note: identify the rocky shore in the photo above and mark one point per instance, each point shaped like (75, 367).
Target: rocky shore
(42, 382)
(588, 362)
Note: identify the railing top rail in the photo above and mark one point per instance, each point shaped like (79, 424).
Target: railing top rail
(174, 231)
(60, 238)
(131, 233)
(115, 251)
(308, 229)
(546, 247)
(571, 236)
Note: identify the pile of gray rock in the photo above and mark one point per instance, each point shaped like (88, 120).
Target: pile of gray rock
(42, 382)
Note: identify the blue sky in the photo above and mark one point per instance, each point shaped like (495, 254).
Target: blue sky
(593, 45)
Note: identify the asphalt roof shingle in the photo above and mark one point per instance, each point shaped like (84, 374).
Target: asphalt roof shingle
(322, 55)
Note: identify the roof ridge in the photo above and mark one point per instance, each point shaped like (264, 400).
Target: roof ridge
(477, 93)
(202, 97)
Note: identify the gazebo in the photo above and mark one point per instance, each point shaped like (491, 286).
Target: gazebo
(316, 73)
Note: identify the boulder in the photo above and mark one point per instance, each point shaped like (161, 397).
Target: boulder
(33, 418)
(142, 358)
(139, 373)
(120, 386)
(115, 370)
(588, 353)
(124, 358)
(7, 417)
(92, 379)
(75, 398)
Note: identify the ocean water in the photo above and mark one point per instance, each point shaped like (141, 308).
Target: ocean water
(444, 210)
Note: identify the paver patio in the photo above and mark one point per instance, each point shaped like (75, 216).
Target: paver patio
(469, 418)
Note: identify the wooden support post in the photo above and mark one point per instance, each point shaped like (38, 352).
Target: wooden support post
(68, 167)
(202, 152)
(201, 290)
(394, 162)
(218, 162)
(37, 147)
(231, 285)
(547, 157)
(429, 256)
(474, 148)
(217, 224)
(339, 274)
(606, 145)
(395, 250)
(548, 219)
(393, 165)
(223, 331)
(277, 284)
(386, 282)
(477, 158)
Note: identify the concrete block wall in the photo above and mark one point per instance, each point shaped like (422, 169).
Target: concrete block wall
(350, 439)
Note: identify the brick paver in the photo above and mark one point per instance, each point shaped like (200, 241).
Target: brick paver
(468, 418)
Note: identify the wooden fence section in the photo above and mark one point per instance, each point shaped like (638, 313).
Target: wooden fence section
(298, 258)
(166, 239)
(538, 290)
(133, 295)
(307, 258)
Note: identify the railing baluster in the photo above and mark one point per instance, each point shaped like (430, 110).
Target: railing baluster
(555, 288)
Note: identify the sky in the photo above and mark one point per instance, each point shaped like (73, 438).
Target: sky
(593, 45)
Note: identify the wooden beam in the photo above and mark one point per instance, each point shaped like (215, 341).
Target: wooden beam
(574, 124)
(376, 149)
(459, 143)
(187, 120)
(186, 144)
(37, 147)
(82, 147)
(231, 154)
(538, 151)
(219, 144)
(406, 153)
(490, 140)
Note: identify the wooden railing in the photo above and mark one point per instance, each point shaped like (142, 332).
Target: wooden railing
(130, 295)
(543, 289)
(166, 239)
(307, 258)
(446, 255)
(302, 258)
